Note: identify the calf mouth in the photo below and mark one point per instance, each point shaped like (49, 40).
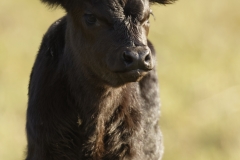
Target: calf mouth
(132, 75)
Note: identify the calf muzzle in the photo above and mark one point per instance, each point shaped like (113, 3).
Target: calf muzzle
(137, 58)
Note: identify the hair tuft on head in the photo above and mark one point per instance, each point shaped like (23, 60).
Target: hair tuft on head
(162, 1)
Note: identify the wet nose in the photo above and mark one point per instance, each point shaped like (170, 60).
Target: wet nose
(138, 58)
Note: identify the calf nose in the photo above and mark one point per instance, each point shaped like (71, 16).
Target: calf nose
(137, 58)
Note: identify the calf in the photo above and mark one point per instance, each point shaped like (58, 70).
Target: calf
(93, 92)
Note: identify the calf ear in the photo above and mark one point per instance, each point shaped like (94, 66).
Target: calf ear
(54, 3)
(162, 1)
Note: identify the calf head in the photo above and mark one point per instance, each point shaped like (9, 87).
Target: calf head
(108, 38)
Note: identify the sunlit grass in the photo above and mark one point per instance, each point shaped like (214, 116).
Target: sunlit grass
(198, 55)
(198, 49)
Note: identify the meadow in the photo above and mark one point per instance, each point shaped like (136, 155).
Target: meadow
(198, 63)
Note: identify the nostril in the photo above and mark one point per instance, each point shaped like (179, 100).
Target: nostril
(147, 61)
(127, 58)
(147, 58)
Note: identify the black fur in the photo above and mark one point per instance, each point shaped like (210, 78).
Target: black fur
(87, 101)
(67, 4)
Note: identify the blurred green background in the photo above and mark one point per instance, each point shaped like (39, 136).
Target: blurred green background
(198, 47)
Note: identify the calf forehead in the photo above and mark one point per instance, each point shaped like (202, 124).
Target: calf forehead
(123, 8)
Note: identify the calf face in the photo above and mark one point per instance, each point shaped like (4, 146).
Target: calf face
(109, 38)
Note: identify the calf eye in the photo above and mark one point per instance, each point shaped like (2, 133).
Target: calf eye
(90, 18)
(148, 22)
(150, 14)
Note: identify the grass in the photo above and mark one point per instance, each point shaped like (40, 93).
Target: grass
(198, 49)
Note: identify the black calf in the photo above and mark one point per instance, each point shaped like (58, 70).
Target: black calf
(93, 92)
